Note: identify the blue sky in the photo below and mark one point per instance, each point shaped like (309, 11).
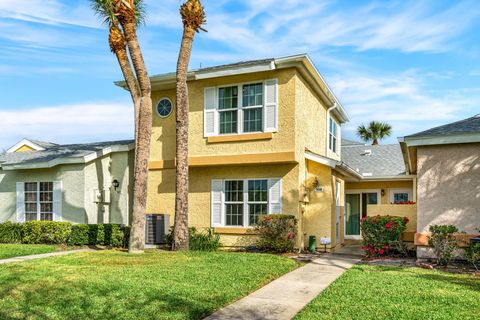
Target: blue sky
(414, 64)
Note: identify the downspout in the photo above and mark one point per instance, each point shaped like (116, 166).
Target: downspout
(334, 106)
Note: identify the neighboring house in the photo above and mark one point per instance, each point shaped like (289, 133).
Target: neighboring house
(80, 183)
(446, 162)
(264, 137)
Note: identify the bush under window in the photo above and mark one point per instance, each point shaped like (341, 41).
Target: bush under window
(444, 242)
(205, 240)
(277, 232)
(382, 235)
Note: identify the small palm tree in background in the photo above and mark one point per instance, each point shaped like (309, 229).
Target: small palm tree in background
(193, 17)
(375, 131)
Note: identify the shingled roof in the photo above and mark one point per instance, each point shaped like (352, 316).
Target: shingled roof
(374, 161)
(56, 154)
(470, 125)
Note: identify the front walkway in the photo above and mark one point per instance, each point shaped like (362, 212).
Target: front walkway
(284, 297)
(42, 255)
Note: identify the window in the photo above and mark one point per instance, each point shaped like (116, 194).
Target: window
(38, 201)
(239, 203)
(164, 107)
(251, 111)
(332, 135)
(257, 200)
(400, 196)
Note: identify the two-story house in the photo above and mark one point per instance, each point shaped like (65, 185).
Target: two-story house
(264, 137)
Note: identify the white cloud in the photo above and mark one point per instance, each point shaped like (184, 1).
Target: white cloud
(67, 123)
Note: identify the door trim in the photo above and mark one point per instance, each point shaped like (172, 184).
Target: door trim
(360, 192)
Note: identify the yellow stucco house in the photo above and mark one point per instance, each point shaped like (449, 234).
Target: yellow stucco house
(264, 137)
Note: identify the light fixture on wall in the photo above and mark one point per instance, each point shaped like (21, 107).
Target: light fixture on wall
(115, 184)
(315, 183)
(382, 192)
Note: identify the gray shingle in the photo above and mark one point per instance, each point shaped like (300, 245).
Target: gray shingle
(58, 151)
(384, 160)
(470, 125)
(347, 142)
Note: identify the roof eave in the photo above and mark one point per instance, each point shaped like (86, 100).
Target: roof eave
(413, 141)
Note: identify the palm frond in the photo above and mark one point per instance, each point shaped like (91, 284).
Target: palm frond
(374, 131)
(105, 10)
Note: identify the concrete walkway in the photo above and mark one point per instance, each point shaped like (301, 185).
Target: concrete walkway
(42, 255)
(284, 297)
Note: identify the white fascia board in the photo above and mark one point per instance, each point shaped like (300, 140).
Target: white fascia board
(320, 159)
(406, 177)
(231, 71)
(450, 139)
(76, 160)
(25, 142)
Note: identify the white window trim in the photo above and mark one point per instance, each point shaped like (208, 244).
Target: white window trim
(156, 107)
(38, 202)
(336, 146)
(245, 201)
(392, 193)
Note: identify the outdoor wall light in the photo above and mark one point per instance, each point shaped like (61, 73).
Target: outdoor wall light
(315, 183)
(115, 184)
(383, 192)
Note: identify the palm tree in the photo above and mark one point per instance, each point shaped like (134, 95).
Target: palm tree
(193, 17)
(127, 13)
(375, 131)
(105, 10)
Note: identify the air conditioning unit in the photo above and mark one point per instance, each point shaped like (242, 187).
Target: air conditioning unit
(156, 228)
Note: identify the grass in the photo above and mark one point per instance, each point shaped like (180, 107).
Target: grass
(369, 292)
(16, 250)
(115, 285)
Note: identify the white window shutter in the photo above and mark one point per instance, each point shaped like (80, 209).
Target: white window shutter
(210, 121)
(275, 196)
(20, 202)
(271, 105)
(217, 190)
(57, 201)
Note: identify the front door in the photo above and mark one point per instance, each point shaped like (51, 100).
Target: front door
(356, 208)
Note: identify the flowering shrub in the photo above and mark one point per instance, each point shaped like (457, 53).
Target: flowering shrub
(277, 232)
(382, 235)
(405, 202)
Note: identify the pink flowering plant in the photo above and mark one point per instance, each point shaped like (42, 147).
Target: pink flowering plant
(382, 235)
(277, 232)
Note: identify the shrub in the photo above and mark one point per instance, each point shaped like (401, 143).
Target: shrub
(10, 232)
(472, 254)
(277, 232)
(46, 232)
(382, 235)
(444, 242)
(79, 235)
(198, 241)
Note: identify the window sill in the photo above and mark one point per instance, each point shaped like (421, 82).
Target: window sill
(238, 231)
(240, 137)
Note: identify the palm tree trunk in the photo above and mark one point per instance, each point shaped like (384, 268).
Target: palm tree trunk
(375, 142)
(180, 236)
(142, 143)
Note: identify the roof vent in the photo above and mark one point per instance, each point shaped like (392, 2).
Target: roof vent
(368, 152)
(367, 174)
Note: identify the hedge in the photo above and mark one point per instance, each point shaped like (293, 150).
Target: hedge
(382, 235)
(277, 232)
(53, 232)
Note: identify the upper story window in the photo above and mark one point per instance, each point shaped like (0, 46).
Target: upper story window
(164, 107)
(332, 135)
(242, 108)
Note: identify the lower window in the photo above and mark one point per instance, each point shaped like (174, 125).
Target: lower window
(245, 201)
(400, 196)
(38, 201)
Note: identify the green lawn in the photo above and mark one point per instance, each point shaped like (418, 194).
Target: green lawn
(16, 250)
(115, 285)
(368, 292)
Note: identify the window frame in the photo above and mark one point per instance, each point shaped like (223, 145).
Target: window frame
(240, 108)
(38, 202)
(396, 191)
(246, 203)
(332, 146)
(156, 107)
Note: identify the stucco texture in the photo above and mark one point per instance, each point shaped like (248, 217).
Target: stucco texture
(400, 210)
(379, 185)
(448, 179)
(78, 184)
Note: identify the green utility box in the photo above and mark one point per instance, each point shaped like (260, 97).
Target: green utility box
(312, 244)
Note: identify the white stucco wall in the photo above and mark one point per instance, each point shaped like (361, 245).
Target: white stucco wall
(79, 182)
(449, 186)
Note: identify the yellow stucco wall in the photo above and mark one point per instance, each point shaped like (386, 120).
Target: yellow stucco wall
(385, 185)
(161, 192)
(24, 148)
(163, 131)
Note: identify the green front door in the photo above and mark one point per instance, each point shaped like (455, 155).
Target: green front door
(352, 214)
